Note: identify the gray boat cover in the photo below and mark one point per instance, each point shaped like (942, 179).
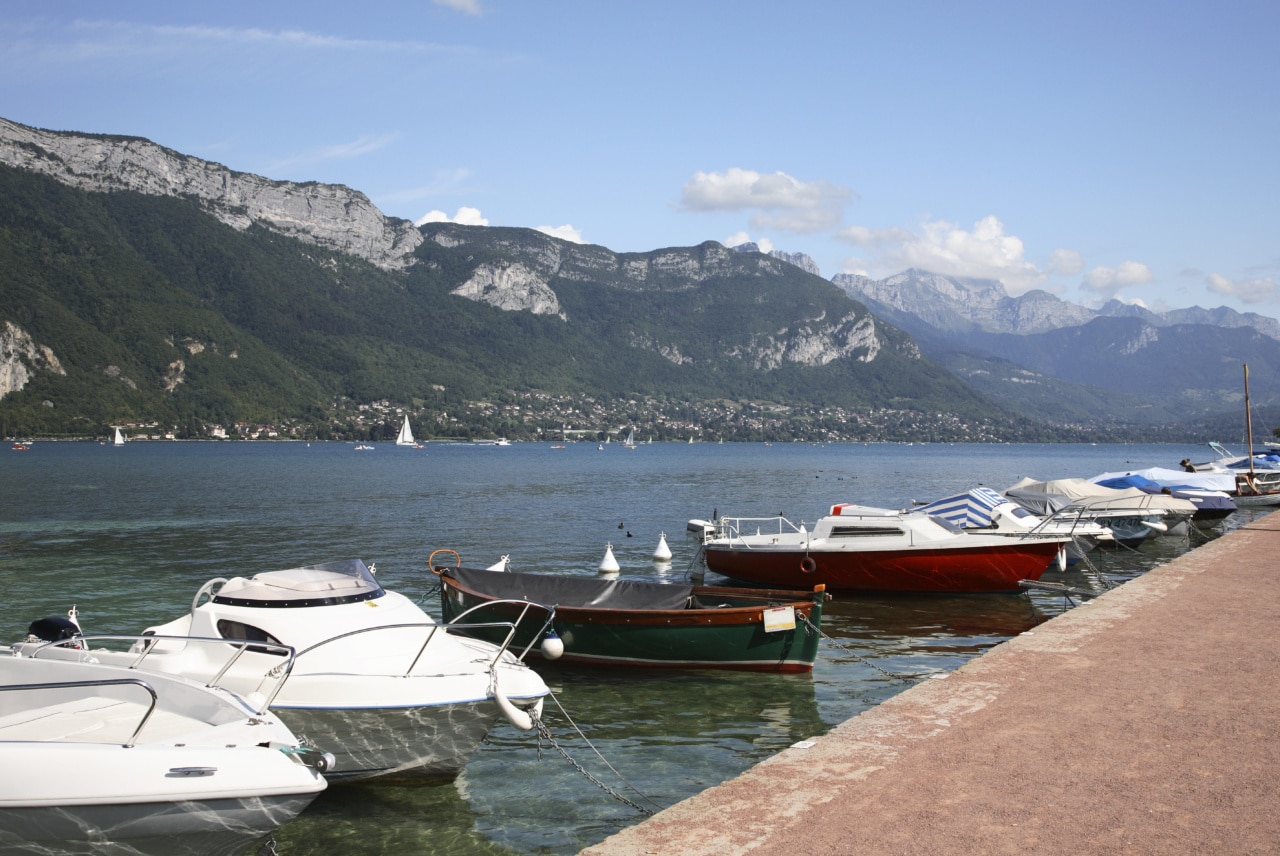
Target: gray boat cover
(583, 592)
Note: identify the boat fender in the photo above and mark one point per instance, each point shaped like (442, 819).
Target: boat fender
(514, 715)
(55, 628)
(552, 646)
(808, 565)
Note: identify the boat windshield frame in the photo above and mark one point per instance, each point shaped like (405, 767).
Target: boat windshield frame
(326, 584)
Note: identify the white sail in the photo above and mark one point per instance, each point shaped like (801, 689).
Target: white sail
(119, 440)
(405, 437)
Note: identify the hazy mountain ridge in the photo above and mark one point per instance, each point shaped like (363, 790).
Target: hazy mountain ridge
(1037, 353)
(960, 305)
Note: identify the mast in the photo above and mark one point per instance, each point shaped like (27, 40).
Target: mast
(1248, 421)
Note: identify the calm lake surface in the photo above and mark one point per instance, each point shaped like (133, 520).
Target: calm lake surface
(129, 534)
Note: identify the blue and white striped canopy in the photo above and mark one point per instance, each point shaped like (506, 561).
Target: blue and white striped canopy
(967, 510)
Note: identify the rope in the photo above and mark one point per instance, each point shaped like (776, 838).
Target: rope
(545, 733)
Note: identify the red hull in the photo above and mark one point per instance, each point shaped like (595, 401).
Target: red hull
(968, 570)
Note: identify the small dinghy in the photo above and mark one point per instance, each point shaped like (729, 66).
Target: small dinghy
(614, 622)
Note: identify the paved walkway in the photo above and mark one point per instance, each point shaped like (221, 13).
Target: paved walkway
(1145, 722)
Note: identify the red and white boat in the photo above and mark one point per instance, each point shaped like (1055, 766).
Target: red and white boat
(858, 548)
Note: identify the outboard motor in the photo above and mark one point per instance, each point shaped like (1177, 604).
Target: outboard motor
(55, 628)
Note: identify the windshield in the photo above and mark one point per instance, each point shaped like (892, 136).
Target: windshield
(346, 581)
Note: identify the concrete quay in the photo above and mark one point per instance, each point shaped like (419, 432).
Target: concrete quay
(1144, 722)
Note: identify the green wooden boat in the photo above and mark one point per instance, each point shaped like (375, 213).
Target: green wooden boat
(636, 623)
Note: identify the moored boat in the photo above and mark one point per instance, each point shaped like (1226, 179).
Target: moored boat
(857, 548)
(1210, 493)
(635, 623)
(106, 760)
(981, 509)
(395, 694)
(1131, 514)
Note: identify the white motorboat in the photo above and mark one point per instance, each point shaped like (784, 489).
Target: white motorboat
(100, 759)
(983, 510)
(377, 679)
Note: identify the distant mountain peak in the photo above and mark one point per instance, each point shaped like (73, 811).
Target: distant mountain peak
(800, 260)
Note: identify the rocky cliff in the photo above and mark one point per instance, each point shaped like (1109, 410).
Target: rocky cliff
(533, 263)
(327, 215)
(20, 357)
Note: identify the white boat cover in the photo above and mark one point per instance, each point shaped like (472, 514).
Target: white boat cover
(582, 592)
(1095, 496)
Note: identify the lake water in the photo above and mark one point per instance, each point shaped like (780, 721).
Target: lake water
(129, 534)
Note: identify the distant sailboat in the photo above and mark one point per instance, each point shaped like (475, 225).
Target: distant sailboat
(405, 438)
(119, 440)
(630, 442)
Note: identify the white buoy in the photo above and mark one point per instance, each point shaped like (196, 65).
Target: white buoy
(552, 646)
(663, 553)
(609, 565)
(503, 564)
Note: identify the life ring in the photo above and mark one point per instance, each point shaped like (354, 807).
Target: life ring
(431, 560)
(808, 565)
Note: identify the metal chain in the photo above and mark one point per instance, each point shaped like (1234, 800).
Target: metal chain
(268, 847)
(810, 625)
(545, 733)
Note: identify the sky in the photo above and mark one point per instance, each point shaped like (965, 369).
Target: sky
(1096, 150)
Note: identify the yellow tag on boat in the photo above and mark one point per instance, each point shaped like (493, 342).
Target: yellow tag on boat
(779, 618)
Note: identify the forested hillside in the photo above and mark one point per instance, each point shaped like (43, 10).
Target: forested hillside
(159, 315)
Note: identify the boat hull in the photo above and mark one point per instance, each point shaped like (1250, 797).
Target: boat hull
(412, 745)
(725, 637)
(201, 827)
(963, 570)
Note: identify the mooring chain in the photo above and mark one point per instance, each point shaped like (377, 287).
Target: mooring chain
(544, 733)
(810, 625)
(268, 847)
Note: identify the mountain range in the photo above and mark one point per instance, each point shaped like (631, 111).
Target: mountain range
(144, 286)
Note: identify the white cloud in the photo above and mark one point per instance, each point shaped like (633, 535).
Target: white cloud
(358, 147)
(739, 238)
(784, 203)
(1066, 262)
(446, 181)
(466, 216)
(1107, 281)
(1249, 291)
(471, 7)
(565, 232)
(985, 252)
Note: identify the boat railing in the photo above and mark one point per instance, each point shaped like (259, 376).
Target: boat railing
(431, 627)
(146, 645)
(734, 528)
(98, 682)
(512, 626)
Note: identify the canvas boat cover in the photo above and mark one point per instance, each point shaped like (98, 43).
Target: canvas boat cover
(1094, 496)
(580, 592)
(968, 510)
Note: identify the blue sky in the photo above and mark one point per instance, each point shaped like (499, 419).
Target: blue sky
(1095, 150)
